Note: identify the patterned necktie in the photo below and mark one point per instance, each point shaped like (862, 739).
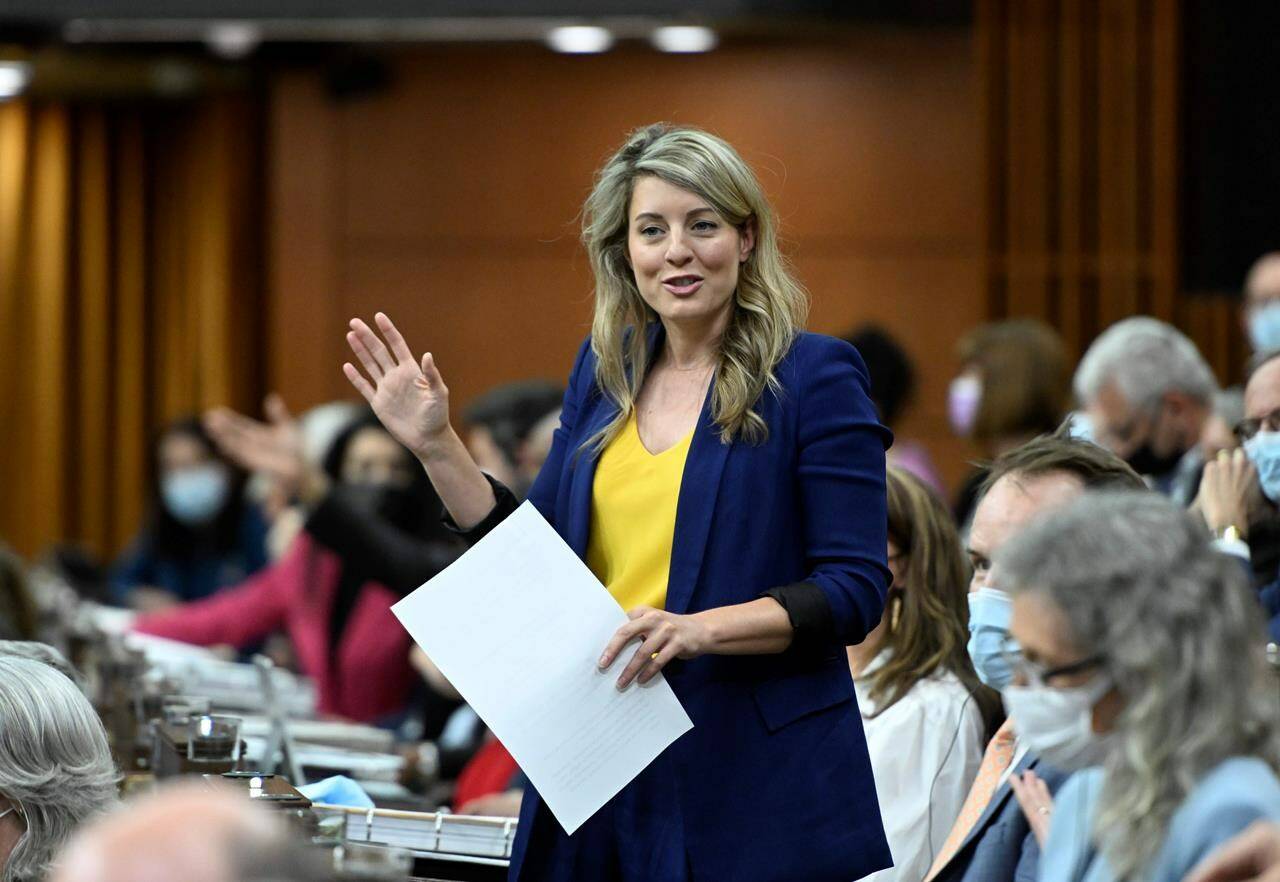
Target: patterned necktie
(995, 761)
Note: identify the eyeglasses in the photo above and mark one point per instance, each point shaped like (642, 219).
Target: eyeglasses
(1247, 428)
(1036, 674)
(13, 808)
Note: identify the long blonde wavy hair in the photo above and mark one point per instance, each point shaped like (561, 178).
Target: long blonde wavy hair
(769, 305)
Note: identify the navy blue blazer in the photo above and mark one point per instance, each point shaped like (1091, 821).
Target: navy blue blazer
(774, 778)
(1001, 846)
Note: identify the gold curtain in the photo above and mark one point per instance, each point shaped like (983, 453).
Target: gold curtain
(129, 296)
(1081, 106)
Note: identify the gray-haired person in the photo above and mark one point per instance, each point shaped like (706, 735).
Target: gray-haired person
(43, 653)
(1140, 667)
(55, 767)
(1148, 393)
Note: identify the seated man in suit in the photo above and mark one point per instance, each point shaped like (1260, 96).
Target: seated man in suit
(991, 840)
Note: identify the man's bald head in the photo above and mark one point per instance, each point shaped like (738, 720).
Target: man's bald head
(1262, 284)
(1262, 392)
(189, 832)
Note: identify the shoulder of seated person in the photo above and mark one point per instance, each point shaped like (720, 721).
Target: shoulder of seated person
(1243, 781)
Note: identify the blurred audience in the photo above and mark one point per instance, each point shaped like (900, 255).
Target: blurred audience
(1240, 493)
(1261, 313)
(509, 430)
(991, 840)
(1219, 431)
(201, 535)
(893, 386)
(192, 832)
(18, 614)
(373, 534)
(317, 429)
(926, 715)
(56, 770)
(1149, 394)
(1138, 665)
(1014, 384)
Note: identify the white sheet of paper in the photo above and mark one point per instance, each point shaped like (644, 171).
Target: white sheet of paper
(518, 624)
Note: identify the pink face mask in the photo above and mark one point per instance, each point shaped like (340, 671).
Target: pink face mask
(963, 399)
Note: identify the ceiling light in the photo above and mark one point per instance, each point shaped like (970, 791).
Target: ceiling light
(580, 39)
(233, 40)
(15, 76)
(684, 38)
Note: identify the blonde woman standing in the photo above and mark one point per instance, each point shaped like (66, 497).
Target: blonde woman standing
(722, 473)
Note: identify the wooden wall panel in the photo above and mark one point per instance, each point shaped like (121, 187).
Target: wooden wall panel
(450, 199)
(1080, 111)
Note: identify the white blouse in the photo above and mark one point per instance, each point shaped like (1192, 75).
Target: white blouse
(925, 752)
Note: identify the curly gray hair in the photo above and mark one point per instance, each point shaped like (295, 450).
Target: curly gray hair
(55, 766)
(1144, 358)
(1181, 636)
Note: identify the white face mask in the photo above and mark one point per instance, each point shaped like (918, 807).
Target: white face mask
(1057, 723)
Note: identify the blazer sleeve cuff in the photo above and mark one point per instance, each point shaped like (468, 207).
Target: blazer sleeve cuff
(505, 505)
(810, 614)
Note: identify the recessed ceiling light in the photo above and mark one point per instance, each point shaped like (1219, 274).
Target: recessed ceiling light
(684, 38)
(580, 39)
(233, 40)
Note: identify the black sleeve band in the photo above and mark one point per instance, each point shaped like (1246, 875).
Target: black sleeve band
(506, 504)
(809, 611)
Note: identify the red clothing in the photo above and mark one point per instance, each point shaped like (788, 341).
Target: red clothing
(370, 676)
(489, 771)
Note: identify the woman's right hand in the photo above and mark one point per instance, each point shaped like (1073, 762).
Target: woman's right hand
(408, 396)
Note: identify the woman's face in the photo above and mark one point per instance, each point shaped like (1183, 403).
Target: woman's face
(1041, 630)
(374, 457)
(897, 564)
(684, 255)
(182, 452)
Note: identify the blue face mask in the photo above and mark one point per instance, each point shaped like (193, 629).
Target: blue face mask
(1263, 450)
(990, 612)
(1264, 327)
(195, 496)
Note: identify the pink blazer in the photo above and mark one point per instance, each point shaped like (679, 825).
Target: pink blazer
(370, 677)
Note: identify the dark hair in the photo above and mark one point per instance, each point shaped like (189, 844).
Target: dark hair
(511, 411)
(1096, 467)
(424, 498)
(928, 614)
(174, 539)
(1026, 378)
(892, 376)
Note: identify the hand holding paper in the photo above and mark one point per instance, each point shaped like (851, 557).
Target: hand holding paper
(516, 624)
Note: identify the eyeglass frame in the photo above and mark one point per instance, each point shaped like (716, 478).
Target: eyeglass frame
(1038, 675)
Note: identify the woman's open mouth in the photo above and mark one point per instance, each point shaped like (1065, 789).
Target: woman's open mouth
(682, 286)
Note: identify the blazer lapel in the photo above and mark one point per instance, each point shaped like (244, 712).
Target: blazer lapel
(578, 527)
(699, 487)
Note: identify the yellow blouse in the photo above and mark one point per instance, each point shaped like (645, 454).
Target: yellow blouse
(633, 517)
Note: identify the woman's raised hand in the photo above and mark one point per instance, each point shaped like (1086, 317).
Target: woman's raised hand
(408, 396)
(273, 447)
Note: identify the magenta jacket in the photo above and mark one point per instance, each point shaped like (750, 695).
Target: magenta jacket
(369, 678)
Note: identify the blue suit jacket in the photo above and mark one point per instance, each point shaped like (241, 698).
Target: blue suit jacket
(774, 777)
(1001, 846)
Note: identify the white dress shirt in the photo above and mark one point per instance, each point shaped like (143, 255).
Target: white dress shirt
(925, 751)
